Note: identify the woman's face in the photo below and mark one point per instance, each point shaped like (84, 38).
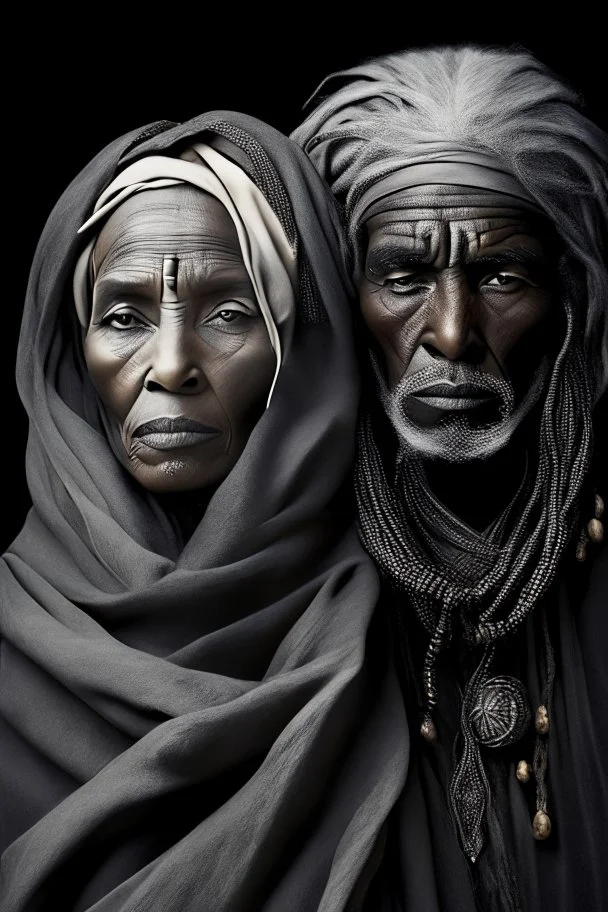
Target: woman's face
(176, 346)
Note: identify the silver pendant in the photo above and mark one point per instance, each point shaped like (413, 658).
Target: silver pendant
(495, 713)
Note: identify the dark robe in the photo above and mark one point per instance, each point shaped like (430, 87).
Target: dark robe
(424, 869)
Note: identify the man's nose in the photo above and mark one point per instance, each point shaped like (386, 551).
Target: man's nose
(451, 325)
(176, 366)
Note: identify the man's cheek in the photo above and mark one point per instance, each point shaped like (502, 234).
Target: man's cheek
(516, 323)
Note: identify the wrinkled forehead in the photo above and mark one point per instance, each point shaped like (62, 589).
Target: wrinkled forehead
(171, 221)
(487, 225)
(413, 211)
(463, 223)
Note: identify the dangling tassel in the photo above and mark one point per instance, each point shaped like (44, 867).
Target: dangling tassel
(439, 639)
(541, 824)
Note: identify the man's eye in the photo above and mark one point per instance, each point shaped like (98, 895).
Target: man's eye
(504, 280)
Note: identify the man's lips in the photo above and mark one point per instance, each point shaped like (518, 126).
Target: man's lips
(171, 433)
(448, 396)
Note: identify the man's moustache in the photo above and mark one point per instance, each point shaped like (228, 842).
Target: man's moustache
(452, 379)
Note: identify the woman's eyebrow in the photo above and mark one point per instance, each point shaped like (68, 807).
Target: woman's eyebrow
(112, 284)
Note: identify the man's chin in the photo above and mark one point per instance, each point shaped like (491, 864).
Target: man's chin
(454, 441)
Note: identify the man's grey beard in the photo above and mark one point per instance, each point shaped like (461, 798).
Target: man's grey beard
(455, 438)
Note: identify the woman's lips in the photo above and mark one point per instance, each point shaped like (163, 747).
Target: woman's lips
(173, 433)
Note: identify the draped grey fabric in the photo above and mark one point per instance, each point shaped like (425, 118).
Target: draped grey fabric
(194, 726)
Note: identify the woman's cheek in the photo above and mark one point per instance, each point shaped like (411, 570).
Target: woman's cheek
(221, 343)
(116, 370)
(243, 377)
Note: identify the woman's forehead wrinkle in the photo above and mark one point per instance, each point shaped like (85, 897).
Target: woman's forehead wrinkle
(143, 267)
(195, 244)
(172, 308)
(169, 286)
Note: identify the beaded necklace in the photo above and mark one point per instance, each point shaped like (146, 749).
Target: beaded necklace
(402, 526)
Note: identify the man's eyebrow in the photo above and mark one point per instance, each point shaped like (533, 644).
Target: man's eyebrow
(525, 256)
(386, 257)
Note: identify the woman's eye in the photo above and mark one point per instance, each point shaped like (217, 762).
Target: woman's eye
(402, 284)
(229, 315)
(122, 319)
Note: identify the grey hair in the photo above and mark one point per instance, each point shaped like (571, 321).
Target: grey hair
(388, 111)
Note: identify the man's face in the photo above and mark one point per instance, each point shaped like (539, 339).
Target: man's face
(457, 300)
(177, 347)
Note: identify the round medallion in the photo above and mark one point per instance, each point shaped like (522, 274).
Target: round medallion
(501, 712)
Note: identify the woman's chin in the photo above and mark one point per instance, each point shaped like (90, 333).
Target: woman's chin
(176, 474)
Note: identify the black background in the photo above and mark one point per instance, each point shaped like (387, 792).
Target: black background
(72, 88)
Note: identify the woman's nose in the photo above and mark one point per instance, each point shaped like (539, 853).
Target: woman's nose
(452, 329)
(175, 367)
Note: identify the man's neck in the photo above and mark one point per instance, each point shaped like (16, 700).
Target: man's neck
(478, 491)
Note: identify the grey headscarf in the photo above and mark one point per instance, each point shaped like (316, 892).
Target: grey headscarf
(188, 727)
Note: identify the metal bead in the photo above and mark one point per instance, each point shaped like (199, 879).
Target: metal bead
(428, 730)
(541, 825)
(523, 771)
(599, 507)
(595, 530)
(541, 721)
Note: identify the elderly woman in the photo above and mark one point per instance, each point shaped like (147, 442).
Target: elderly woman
(187, 719)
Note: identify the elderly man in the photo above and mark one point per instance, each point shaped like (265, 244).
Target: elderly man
(474, 193)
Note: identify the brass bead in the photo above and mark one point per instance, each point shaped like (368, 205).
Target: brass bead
(541, 722)
(541, 825)
(595, 530)
(599, 507)
(523, 771)
(428, 730)
(581, 551)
